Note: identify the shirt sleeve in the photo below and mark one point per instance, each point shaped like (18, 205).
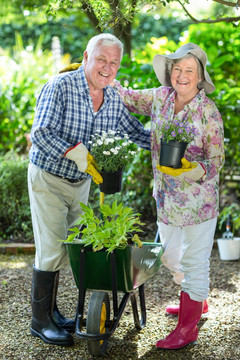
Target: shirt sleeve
(136, 101)
(213, 142)
(131, 126)
(48, 121)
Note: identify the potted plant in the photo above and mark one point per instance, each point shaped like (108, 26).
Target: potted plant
(175, 135)
(229, 244)
(112, 152)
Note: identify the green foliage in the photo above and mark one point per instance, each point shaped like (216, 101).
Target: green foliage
(147, 26)
(15, 216)
(113, 230)
(221, 42)
(233, 211)
(73, 32)
(27, 71)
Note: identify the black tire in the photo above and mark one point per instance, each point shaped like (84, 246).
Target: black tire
(98, 314)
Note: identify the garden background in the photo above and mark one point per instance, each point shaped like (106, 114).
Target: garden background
(38, 38)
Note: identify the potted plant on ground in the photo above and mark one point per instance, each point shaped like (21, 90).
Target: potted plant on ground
(175, 135)
(112, 152)
(229, 244)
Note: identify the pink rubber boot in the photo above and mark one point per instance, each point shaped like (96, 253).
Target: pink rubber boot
(186, 331)
(174, 309)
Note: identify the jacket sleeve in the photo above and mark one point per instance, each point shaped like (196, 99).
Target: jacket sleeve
(136, 101)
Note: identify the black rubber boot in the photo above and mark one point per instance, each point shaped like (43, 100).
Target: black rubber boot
(43, 325)
(63, 322)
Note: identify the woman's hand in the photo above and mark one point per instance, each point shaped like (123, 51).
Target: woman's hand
(190, 170)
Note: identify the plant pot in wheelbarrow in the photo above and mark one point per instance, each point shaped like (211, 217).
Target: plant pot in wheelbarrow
(134, 266)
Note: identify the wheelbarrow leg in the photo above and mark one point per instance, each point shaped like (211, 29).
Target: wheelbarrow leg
(139, 324)
(82, 293)
(114, 285)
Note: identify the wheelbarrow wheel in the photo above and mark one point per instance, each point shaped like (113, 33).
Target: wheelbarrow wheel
(98, 318)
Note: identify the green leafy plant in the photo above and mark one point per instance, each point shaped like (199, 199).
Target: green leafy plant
(114, 229)
(176, 129)
(111, 151)
(15, 215)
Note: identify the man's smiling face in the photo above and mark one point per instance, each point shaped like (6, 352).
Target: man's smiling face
(102, 66)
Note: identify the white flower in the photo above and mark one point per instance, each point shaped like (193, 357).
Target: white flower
(114, 151)
(110, 150)
(108, 141)
(90, 142)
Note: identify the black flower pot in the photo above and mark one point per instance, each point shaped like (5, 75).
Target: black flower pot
(171, 153)
(112, 182)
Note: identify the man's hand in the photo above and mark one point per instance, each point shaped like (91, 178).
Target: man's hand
(71, 67)
(85, 161)
(190, 170)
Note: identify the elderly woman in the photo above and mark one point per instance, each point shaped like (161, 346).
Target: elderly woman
(187, 201)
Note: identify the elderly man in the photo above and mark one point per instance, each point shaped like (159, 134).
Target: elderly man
(71, 107)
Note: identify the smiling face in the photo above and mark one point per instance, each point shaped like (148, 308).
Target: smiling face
(185, 77)
(102, 66)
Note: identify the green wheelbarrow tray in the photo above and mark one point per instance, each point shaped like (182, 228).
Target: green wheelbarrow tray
(134, 266)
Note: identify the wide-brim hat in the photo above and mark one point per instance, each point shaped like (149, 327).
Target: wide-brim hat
(161, 68)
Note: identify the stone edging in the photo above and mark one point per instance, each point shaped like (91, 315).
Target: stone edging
(17, 249)
(29, 249)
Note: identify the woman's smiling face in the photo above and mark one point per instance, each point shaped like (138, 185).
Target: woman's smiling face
(185, 77)
(102, 66)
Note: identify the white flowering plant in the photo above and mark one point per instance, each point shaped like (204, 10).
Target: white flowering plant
(176, 129)
(111, 151)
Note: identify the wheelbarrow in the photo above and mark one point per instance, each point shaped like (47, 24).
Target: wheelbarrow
(123, 270)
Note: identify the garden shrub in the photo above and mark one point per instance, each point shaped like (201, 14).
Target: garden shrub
(15, 216)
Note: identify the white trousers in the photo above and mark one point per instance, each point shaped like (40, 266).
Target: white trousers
(186, 254)
(55, 208)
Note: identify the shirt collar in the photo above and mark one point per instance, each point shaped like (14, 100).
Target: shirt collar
(193, 105)
(81, 80)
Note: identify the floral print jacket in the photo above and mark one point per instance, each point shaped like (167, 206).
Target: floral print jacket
(183, 202)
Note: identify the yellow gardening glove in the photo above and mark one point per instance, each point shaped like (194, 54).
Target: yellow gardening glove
(84, 161)
(71, 67)
(91, 170)
(190, 170)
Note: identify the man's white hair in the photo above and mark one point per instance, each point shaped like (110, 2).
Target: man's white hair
(106, 40)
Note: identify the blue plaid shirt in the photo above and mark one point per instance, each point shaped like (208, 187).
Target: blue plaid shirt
(65, 116)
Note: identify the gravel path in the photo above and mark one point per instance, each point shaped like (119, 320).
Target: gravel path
(219, 336)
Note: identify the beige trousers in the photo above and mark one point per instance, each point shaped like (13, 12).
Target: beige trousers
(186, 254)
(55, 208)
